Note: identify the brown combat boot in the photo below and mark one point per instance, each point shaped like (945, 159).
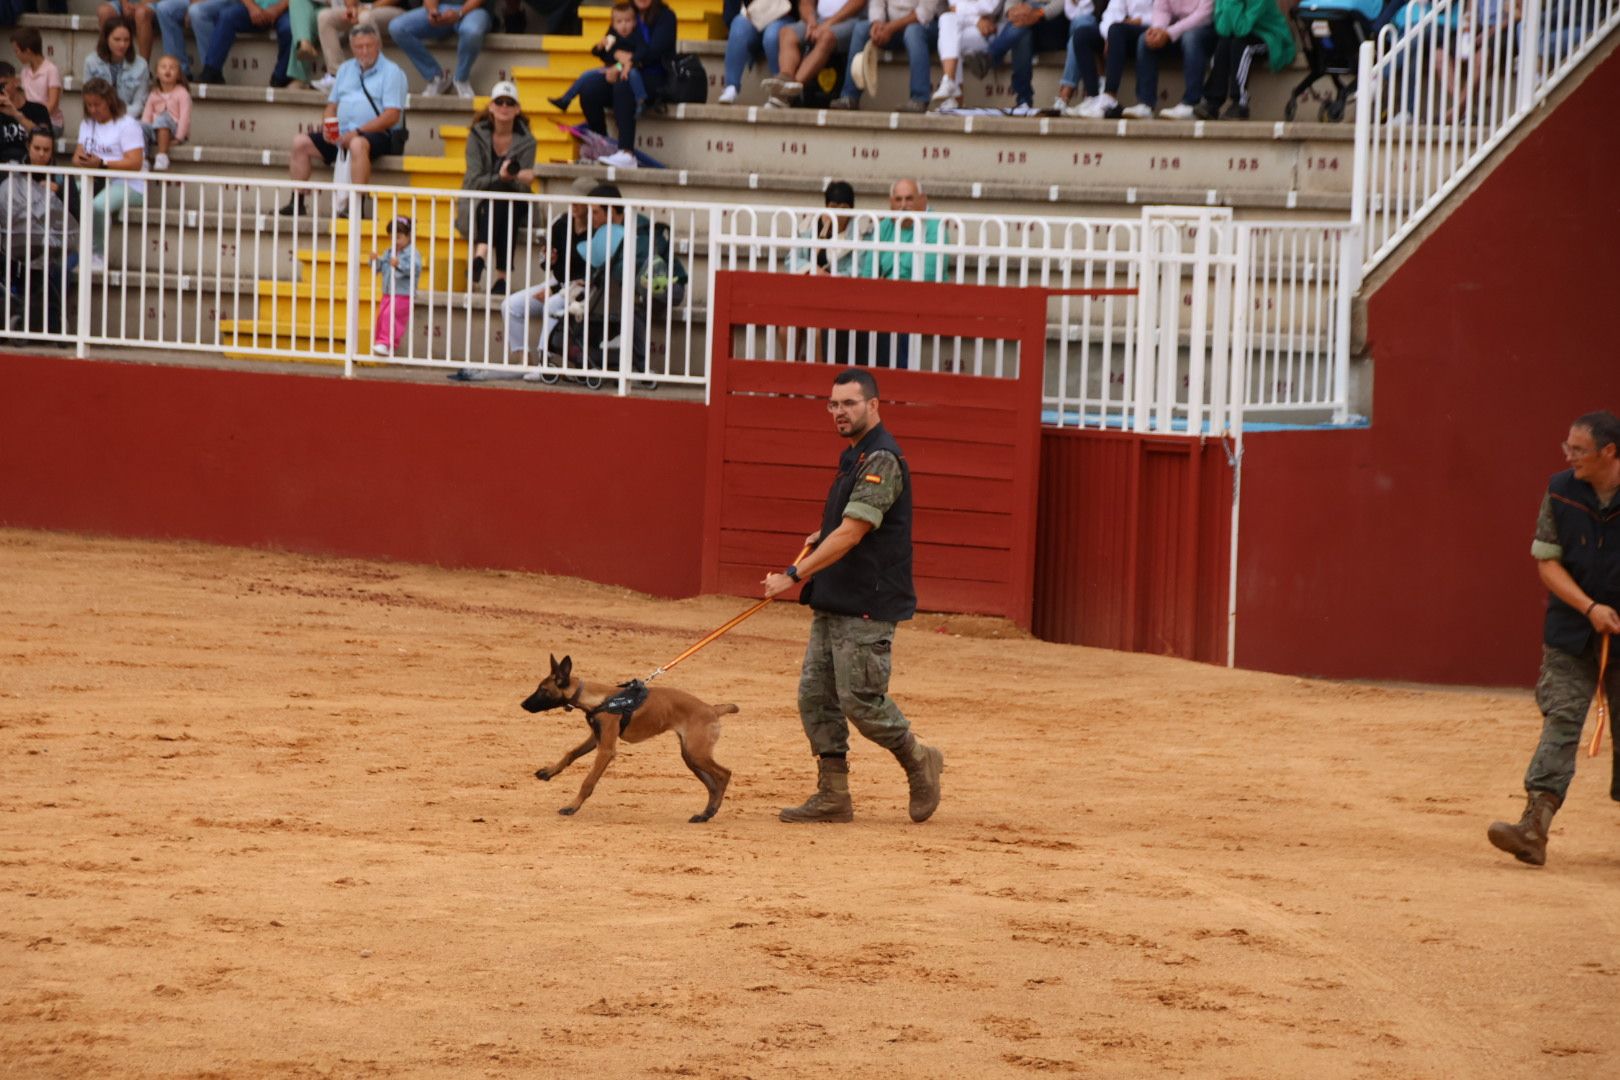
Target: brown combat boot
(831, 801)
(1527, 841)
(923, 764)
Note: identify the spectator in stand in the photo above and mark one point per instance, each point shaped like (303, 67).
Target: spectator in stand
(564, 266)
(916, 26)
(109, 138)
(249, 15)
(41, 79)
(334, 22)
(982, 33)
(203, 15)
(835, 260)
(166, 120)
(19, 117)
(436, 20)
(142, 16)
(500, 158)
(116, 61)
(617, 51)
(825, 27)
(365, 106)
(40, 235)
(1082, 59)
(655, 35)
(1147, 30)
(397, 272)
(894, 260)
(1249, 30)
(301, 17)
(746, 42)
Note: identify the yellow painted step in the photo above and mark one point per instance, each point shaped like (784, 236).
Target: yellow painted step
(697, 20)
(543, 126)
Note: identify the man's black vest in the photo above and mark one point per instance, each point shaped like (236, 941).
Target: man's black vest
(874, 578)
(1590, 538)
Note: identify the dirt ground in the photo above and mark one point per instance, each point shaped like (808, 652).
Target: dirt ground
(268, 815)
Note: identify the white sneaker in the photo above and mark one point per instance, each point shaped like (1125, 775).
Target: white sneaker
(382, 350)
(728, 96)
(1177, 112)
(440, 84)
(948, 88)
(1077, 108)
(98, 262)
(1059, 105)
(537, 374)
(620, 159)
(462, 89)
(325, 82)
(1139, 112)
(1095, 108)
(161, 163)
(1024, 110)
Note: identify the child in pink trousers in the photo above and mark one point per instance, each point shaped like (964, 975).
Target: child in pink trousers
(397, 271)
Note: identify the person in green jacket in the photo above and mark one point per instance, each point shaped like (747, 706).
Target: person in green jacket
(1247, 30)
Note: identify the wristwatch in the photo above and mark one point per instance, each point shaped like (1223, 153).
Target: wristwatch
(792, 572)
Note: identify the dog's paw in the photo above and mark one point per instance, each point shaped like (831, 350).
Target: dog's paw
(542, 774)
(568, 811)
(698, 819)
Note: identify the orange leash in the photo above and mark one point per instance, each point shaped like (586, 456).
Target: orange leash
(1602, 699)
(725, 627)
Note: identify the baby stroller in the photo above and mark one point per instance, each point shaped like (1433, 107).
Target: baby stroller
(1332, 32)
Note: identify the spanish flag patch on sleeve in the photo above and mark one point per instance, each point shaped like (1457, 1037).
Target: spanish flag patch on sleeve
(873, 478)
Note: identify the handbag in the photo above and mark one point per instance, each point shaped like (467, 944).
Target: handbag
(396, 136)
(689, 81)
(764, 12)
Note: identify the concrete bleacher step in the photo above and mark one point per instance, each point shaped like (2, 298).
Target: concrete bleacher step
(1218, 159)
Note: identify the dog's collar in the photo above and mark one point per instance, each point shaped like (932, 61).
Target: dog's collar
(573, 703)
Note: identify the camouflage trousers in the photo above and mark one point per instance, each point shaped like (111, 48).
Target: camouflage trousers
(1564, 693)
(846, 675)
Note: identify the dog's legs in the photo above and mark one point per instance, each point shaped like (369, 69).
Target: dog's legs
(698, 753)
(605, 753)
(568, 759)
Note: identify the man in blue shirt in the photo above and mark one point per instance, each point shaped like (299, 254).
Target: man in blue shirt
(368, 103)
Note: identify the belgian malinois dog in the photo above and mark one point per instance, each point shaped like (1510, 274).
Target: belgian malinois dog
(633, 712)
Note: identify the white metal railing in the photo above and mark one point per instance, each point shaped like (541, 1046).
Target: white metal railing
(1229, 316)
(1444, 86)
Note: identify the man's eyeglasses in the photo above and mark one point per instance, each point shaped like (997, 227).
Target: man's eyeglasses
(1577, 451)
(844, 404)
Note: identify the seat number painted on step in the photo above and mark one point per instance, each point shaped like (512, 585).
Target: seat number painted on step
(720, 146)
(1243, 164)
(1087, 157)
(1012, 157)
(795, 149)
(936, 153)
(1322, 164)
(1164, 164)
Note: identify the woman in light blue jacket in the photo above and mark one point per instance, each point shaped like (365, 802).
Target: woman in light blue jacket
(116, 60)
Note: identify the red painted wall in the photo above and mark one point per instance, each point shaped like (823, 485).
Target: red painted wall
(1402, 551)
(1132, 543)
(587, 485)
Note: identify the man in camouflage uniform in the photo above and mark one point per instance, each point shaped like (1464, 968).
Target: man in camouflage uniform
(1577, 546)
(861, 562)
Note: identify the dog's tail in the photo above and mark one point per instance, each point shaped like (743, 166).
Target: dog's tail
(722, 710)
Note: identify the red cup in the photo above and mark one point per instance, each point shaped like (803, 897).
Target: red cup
(329, 129)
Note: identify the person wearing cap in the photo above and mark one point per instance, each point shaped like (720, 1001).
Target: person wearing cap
(500, 158)
(914, 24)
(368, 103)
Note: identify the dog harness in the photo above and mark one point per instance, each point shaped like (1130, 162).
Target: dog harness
(631, 696)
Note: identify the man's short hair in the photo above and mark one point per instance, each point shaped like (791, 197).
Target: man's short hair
(1605, 429)
(606, 191)
(860, 377)
(907, 179)
(364, 30)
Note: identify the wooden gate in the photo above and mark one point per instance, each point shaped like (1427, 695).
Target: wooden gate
(972, 441)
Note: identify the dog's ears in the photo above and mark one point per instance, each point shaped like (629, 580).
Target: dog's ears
(561, 670)
(553, 663)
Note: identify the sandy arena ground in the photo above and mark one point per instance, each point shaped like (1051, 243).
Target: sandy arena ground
(266, 815)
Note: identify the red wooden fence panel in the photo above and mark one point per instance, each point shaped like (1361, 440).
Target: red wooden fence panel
(972, 442)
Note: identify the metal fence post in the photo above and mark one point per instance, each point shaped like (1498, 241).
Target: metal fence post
(1529, 55)
(716, 219)
(1369, 96)
(351, 302)
(627, 301)
(86, 248)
